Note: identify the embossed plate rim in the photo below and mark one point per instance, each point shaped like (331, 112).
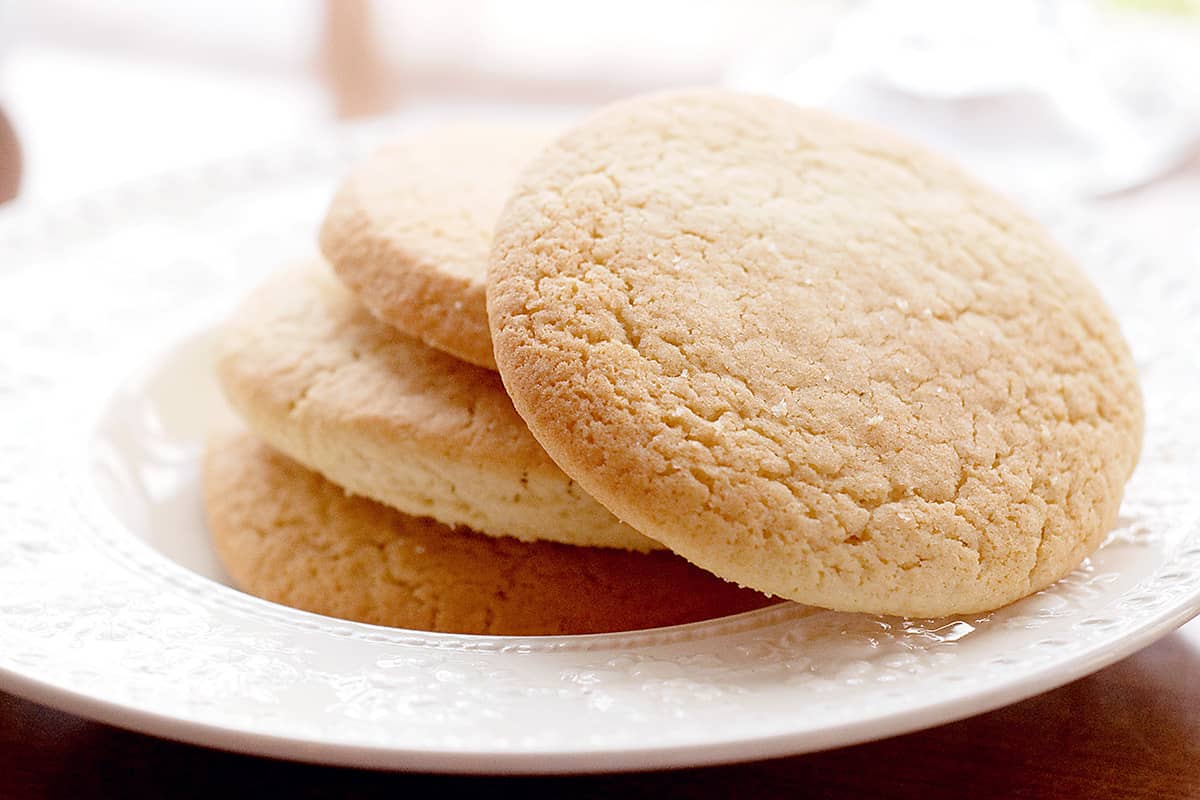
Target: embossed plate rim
(654, 692)
(592, 760)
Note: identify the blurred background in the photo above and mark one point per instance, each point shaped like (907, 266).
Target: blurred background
(1099, 101)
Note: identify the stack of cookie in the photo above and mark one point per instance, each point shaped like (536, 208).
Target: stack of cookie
(388, 478)
(808, 357)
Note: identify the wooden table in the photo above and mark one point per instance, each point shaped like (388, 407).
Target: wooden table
(1130, 731)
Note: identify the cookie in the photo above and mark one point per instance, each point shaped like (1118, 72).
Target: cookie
(286, 534)
(409, 229)
(811, 357)
(379, 413)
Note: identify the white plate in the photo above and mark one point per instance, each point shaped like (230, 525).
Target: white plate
(112, 606)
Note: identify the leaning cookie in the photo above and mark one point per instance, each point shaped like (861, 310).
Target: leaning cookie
(288, 535)
(812, 357)
(319, 378)
(408, 230)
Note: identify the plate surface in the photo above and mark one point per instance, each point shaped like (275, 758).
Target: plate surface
(113, 606)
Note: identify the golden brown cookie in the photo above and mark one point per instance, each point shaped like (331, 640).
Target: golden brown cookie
(288, 535)
(811, 357)
(375, 411)
(409, 229)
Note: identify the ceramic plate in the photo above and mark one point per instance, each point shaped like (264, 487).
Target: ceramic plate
(112, 605)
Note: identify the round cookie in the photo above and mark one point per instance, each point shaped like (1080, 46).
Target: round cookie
(379, 413)
(811, 357)
(408, 230)
(288, 535)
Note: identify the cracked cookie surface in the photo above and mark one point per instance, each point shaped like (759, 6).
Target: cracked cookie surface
(288, 535)
(379, 413)
(408, 230)
(811, 357)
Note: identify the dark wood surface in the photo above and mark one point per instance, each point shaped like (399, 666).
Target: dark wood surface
(1130, 731)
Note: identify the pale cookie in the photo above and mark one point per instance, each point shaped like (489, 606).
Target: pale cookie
(811, 357)
(288, 535)
(386, 417)
(409, 229)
